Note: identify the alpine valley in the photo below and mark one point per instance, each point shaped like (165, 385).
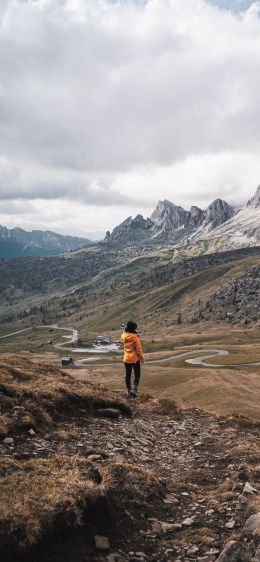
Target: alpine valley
(172, 475)
(170, 265)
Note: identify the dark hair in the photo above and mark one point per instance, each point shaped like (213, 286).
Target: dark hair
(131, 327)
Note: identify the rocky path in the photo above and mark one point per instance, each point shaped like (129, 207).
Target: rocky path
(208, 470)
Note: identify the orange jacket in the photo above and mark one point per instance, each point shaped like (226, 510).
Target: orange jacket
(132, 348)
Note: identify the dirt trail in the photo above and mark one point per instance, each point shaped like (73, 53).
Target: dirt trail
(202, 464)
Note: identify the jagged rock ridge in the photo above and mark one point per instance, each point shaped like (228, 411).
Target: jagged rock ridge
(170, 224)
(131, 229)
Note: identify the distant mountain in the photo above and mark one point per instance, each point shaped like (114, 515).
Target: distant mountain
(220, 226)
(17, 242)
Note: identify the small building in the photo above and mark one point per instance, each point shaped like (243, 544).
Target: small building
(67, 361)
(102, 340)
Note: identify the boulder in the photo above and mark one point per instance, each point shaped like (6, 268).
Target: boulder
(231, 552)
(235, 551)
(252, 526)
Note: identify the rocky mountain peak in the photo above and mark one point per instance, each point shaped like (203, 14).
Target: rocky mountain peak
(168, 216)
(138, 222)
(218, 212)
(255, 201)
(130, 230)
(162, 208)
(196, 216)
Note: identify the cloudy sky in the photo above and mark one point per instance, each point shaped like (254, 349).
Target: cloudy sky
(107, 106)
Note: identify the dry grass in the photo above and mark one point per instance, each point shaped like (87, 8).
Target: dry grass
(35, 395)
(40, 494)
(225, 391)
(43, 495)
(218, 390)
(222, 391)
(253, 507)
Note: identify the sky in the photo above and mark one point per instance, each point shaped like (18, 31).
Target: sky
(107, 106)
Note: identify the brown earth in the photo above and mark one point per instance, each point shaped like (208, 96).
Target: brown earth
(158, 483)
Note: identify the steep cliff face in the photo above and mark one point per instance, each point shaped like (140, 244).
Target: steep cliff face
(131, 230)
(218, 212)
(196, 216)
(168, 217)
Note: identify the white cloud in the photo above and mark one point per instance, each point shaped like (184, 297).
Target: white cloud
(119, 104)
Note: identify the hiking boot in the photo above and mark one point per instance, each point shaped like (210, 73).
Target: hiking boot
(134, 390)
(129, 393)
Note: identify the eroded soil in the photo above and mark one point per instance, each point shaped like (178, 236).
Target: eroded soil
(202, 463)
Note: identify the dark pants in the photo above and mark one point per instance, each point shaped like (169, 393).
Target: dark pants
(128, 370)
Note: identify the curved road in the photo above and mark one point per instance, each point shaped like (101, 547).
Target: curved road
(197, 360)
(93, 360)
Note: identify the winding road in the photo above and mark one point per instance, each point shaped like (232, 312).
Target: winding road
(73, 338)
(198, 360)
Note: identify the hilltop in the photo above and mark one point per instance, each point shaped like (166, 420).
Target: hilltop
(89, 476)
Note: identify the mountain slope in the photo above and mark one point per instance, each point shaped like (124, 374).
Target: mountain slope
(153, 289)
(17, 242)
(187, 299)
(241, 229)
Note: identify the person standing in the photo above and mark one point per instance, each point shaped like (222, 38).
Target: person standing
(133, 355)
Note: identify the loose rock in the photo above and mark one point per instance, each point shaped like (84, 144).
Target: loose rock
(101, 543)
(8, 441)
(252, 525)
(189, 521)
(248, 489)
(31, 432)
(230, 524)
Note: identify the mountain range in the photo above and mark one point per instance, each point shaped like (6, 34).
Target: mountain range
(221, 225)
(171, 263)
(17, 242)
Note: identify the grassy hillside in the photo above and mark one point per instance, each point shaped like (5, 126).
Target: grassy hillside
(107, 301)
(149, 288)
(231, 388)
